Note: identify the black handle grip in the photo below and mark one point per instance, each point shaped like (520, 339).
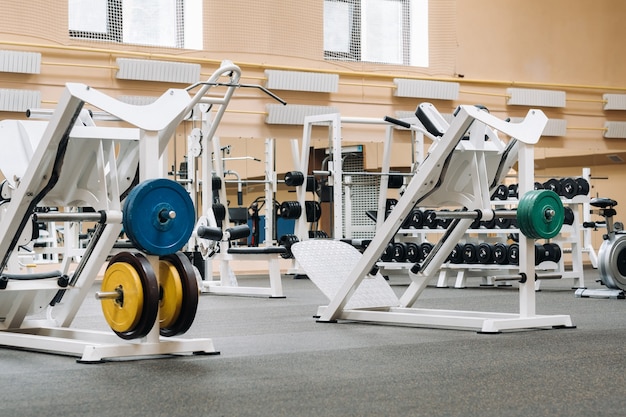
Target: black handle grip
(397, 122)
(238, 232)
(213, 233)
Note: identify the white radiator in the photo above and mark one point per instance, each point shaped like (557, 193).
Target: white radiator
(302, 81)
(294, 114)
(20, 62)
(614, 101)
(533, 97)
(164, 71)
(615, 129)
(19, 100)
(440, 90)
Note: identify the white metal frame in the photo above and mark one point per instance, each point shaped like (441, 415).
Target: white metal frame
(154, 125)
(423, 187)
(227, 282)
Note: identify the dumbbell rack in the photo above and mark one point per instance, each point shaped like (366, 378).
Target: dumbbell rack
(569, 240)
(359, 295)
(91, 151)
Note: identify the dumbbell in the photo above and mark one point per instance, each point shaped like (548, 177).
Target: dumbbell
(552, 252)
(415, 220)
(501, 193)
(513, 254)
(554, 185)
(413, 252)
(583, 186)
(569, 188)
(484, 253)
(500, 253)
(430, 219)
(387, 255)
(426, 248)
(398, 253)
(456, 255)
(469, 253)
(568, 215)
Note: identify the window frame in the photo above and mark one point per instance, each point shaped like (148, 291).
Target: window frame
(115, 26)
(355, 51)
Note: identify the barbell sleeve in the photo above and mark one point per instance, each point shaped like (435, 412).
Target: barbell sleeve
(101, 216)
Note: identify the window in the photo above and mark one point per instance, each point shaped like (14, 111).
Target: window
(166, 23)
(383, 31)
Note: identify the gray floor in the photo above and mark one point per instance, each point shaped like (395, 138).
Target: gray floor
(277, 361)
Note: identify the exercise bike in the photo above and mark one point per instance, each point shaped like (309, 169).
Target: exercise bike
(612, 253)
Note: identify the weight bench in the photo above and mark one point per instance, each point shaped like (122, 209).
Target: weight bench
(228, 283)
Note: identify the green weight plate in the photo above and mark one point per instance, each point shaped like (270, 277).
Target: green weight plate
(540, 214)
(158, 216)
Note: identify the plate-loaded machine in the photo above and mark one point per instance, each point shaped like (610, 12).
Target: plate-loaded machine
(147, 297)
(454, 170)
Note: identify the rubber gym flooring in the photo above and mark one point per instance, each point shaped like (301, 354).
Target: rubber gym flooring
(275, 360)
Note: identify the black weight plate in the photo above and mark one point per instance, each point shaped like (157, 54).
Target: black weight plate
(190, 294)
(513, 190)
(294, 178)
(568, 215)
(513, 254)
(539, 253)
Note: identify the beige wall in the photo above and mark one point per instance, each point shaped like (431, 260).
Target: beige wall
(486, 45)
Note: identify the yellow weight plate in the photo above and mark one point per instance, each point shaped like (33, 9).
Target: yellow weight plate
(171, 294)
(122, 314)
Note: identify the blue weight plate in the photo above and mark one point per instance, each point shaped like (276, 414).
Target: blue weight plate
(158, 216)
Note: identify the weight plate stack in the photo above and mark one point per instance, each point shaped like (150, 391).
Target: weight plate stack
(540, 214)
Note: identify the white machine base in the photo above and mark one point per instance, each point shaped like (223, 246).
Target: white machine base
(483, 322)
(600, 293)
(228, 284)
(95, 346)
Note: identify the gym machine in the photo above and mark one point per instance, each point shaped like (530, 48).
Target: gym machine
(611, 255)
(149, 295)
(213, 240)
(455, 171)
